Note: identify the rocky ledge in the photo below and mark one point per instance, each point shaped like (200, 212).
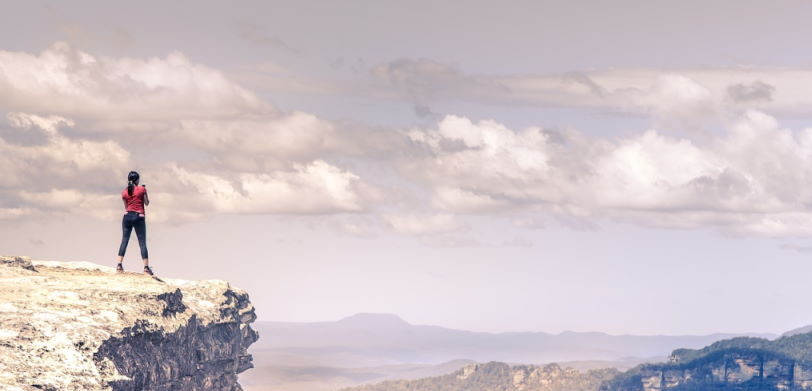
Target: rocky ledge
(80, 326)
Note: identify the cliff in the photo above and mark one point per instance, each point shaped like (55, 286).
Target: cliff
(494, 376)
(80, 326)
(733, 364)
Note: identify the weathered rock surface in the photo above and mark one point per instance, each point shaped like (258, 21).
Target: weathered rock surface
(80, 326)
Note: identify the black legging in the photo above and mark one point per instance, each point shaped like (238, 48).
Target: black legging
(133, 220)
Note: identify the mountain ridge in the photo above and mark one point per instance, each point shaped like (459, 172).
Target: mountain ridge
(383, 317)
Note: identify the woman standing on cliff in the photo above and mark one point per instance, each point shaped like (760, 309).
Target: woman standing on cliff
(135, 199)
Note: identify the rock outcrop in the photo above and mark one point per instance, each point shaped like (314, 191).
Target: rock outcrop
(80, 326)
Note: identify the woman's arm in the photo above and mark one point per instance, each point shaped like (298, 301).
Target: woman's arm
(146, 197)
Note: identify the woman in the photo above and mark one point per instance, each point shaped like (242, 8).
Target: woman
(135, 199)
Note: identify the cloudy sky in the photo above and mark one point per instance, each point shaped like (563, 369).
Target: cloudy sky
(627, 167)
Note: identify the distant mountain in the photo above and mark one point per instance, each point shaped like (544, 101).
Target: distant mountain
(499, 376)
(384, 339)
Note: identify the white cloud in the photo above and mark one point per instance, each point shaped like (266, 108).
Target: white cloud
(675, 96)
(254, 159)
(59, 160)
(314, 188)
(264, 143)
(60, 175)
(67, 82)
(486, 158)
(755, 178)
(244, 157)
(49, 124)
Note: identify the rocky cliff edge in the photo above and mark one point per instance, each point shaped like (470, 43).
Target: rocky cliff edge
(81, 326)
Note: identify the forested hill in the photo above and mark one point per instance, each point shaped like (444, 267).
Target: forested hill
(733, 364)
(503, 377)
(798, 346)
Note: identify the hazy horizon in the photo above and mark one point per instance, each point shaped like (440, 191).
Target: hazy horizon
(629, 167)
(399, 318)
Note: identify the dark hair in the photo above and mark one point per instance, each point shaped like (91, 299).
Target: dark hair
(132, 179)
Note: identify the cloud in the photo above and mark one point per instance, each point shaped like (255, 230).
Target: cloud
(752, 179)
(49, 124)
(66, 175)
(64, 81)
(480, 162)
(225, 151)
(674, 97)
(314, 188)
(670, 94)
(753, 92)
(420, 79)
(60, 160)
(666, 94)
(60, 175)
(257, 144)
(237, 154)
(276, 142)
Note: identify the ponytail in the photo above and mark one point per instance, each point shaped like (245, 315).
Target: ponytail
(132, 180)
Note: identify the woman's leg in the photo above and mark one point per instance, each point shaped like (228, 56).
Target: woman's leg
(141, 232)
(126, 230)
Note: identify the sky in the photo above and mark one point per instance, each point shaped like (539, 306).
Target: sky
(630, 167)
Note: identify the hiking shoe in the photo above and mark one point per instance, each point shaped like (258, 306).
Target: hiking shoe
(119, 268)
(148, 271)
